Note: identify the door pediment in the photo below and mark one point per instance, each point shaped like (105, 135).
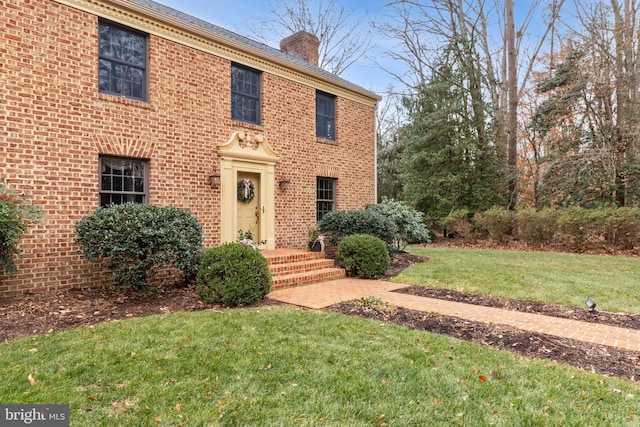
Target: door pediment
(248, 147)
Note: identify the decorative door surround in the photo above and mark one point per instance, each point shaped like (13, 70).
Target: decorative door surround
(248, 153)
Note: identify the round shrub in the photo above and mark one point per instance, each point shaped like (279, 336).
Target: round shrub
(138, 240)
(459, 223)
(233, 274)
(365, 255)
(623, 226)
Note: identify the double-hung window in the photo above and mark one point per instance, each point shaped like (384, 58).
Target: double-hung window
(123, 180)
(325, 196)
(245, 94)
(122, 61)
(325, 116)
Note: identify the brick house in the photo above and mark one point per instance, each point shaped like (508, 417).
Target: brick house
(106, 101)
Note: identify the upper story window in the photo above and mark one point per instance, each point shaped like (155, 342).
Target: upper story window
(325, 116)
(245, 94)
(123, 180)
(325, 196)
(122, 61)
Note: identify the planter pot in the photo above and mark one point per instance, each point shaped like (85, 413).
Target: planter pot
(316, 247)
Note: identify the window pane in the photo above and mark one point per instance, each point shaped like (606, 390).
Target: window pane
(106, 183)
(122, 61)
(325, 192)
(244, 109)
(104, 76)
(117, 183)
(324, 128)
(244, 81)
(139, 185)
(122, 180)
(105, 200)
(245, 94)
(322, 209)
(128, 184)
(325, 116)
(118, 43)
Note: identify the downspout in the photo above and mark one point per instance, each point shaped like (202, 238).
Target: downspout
(375, 153)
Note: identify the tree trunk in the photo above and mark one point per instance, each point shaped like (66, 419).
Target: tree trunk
(512, 94)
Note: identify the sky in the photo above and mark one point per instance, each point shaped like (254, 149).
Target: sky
(237, 15)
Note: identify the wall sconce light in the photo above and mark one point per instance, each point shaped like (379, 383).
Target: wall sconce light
(284, 183)
(214, 179)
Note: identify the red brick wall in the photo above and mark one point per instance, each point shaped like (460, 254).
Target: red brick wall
(54, 124)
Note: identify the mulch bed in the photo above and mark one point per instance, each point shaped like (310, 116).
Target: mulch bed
(590, 357)
(47, 313)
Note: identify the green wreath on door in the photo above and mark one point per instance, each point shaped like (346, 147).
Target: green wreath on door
(246, 191)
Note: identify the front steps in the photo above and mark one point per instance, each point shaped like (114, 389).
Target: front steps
(291, 268)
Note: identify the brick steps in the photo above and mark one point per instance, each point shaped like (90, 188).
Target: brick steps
(300, 266)
(291, 268)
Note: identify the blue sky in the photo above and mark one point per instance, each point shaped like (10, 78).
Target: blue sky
(237, 15)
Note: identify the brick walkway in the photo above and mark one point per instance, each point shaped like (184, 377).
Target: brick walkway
(329, 293)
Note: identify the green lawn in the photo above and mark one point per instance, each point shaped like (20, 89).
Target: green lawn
(283, 366)
(559, 278)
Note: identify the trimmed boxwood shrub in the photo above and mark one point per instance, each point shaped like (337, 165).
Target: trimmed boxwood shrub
(233, 274)
(573, 227)
(365, 255)
(136, 240)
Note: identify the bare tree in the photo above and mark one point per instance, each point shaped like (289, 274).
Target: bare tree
(512, 100)
(503, 64)
(390, 118)
(625, 33)
(344, 38)
(593, 109)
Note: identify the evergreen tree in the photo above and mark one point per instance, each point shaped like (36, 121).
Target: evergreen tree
(449, 160)
(390, 172)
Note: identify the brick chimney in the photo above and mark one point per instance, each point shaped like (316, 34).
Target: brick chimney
(302, 44)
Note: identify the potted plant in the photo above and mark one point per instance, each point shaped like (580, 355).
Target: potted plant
(315, 241)
(246, 238)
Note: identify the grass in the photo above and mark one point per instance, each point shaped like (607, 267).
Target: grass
(558, 278)
(283, 366)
